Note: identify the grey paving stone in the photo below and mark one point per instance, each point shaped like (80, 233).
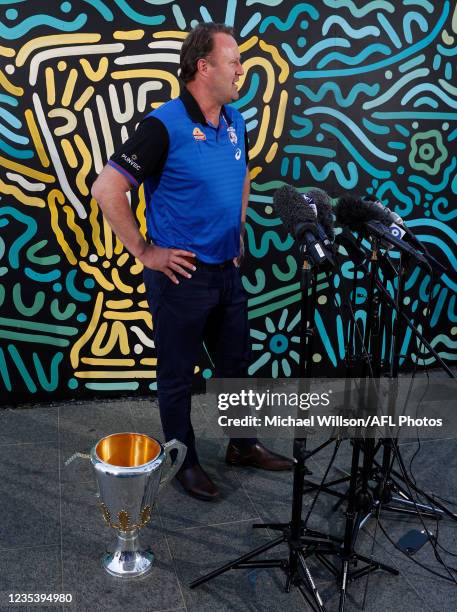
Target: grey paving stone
(198, 551)
(180, 511)
(28, 425)
(438, 595)
(30, 570)
(82, 426)
(188, 536)
(29, 494)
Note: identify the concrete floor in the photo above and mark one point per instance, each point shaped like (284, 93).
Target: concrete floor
(52, 534)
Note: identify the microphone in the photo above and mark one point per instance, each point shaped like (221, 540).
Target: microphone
(400, 230)
(299, 215)
(369, 217)
(324, 210)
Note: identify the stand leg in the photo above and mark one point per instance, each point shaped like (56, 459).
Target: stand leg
(344, 583)
(310, 582)
(236, 562)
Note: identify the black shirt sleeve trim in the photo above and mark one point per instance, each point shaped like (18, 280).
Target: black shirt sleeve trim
(143, 154)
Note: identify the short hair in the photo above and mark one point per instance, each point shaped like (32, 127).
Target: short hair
(198, 44)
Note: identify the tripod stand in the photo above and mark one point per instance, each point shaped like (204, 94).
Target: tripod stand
(388, 491)
(301, 541)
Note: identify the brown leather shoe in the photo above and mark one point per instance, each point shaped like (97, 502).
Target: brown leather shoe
(257, 456)
(196, 482)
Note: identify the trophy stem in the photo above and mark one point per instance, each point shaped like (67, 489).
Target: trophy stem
(130, 559)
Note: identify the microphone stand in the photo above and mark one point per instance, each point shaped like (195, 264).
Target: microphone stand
(301, 541)
(373, 469)
(359, 498)
(387, 486)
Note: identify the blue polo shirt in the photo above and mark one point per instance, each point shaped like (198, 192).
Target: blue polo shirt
(193, 175)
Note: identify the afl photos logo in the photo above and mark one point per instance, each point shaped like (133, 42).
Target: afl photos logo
(198, 134)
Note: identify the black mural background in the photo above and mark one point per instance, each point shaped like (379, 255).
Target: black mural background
(357, 97)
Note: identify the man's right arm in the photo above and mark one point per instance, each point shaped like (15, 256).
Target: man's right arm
(110, 190)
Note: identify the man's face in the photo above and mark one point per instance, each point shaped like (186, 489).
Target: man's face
(224, 68)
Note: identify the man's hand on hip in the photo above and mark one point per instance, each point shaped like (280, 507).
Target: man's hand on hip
(168, 261)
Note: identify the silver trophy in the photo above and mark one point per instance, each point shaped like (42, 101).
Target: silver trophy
(130, 469)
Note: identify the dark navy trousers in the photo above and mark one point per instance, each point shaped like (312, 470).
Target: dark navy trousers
(210, 307)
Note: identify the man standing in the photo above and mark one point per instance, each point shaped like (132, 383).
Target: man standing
(192, 155)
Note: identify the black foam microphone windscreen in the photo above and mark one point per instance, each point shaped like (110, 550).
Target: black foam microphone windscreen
(324, 210)
(354, 212)
(293, 210)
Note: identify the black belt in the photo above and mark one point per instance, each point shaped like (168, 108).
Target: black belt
(214, 266)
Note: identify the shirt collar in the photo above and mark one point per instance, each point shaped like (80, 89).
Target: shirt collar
(194, 111)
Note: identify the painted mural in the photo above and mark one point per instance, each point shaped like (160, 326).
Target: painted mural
(349, 96)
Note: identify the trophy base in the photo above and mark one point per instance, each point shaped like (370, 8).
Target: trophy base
(129, 560)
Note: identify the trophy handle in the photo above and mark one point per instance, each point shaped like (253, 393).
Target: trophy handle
(170, 467)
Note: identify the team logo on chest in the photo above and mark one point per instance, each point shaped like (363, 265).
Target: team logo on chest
(232, 135)
(198, 134)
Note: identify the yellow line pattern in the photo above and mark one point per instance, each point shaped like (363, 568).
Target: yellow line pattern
(53, 40)
(118, 334)
(271, 153)
(75, 349)
(129, 316)
(281, 62)
(100, 361)
(122, 259)
(108, 234)
(136, 269)
(39, 146)
(36, 174)
(262, 133)
(69, 153)
(119, 304)
(255, 172)
(50, 86)
(149, 361)
(86, 166)
(97, 74)
(57, 196)
(84, 98)
(142, 73)
(20, 195)
(69, 87)
(93, 219)
(248, 44)
(9, 87)
(79, 234)
(279, 125)
(128, 34)
(69, 116)
(119, 247)
(116, 374)
(7, 51)
(96, 273)
(119, 284)
(255, 62)
(170, 34)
